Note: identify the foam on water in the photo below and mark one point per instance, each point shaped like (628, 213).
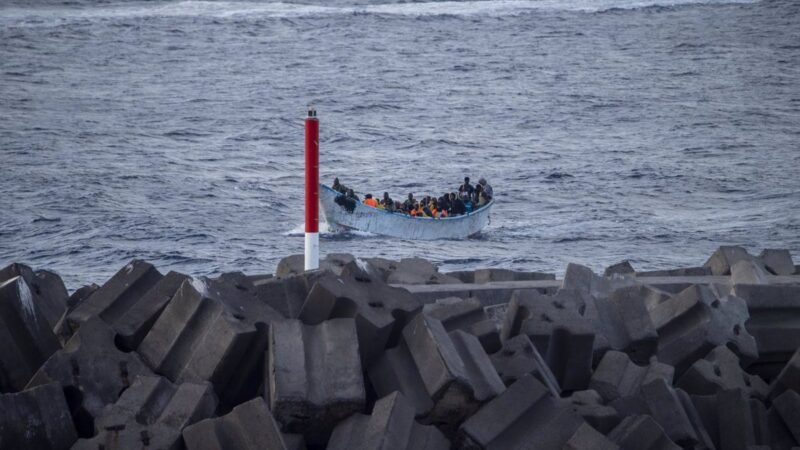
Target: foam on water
(200, 286)
(26, 298)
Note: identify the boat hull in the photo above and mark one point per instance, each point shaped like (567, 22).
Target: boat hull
(378, 221)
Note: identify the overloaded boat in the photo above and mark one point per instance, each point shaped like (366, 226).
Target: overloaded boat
(374, 220)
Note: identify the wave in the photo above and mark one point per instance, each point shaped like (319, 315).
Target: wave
(233, 9)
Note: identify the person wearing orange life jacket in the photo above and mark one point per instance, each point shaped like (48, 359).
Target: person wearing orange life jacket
(369, 201)
(433, 208)
(426, 211)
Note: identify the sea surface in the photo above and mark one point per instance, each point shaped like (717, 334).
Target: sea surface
(648, 130)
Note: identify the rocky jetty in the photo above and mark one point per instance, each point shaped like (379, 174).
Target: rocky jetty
(379, 354)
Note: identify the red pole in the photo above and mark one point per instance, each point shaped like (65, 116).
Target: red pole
(312, 190)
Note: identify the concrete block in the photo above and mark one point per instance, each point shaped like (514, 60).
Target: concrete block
(115, 297)
(295, 264)
(418, 271)
(695, 321)
(91, 369)
(488, 333)
(581, 278)
(456, 313)
(294, 441)
(37, 418)
(788, 378)
(395, 370)
(466, 315)
(133, 325)
(625, 321)
(524, 415)
(673, 410)
(774, 323)
(724, 258)
(620, 268)
(391, 426)
(286, 294)
(777, 261)
(455, 370)
(680, 272)
(617, 376)
(641, 432)
(780, 437)
(466, 276)
(151, 413)
(314, 376)
(587, 438)
(490, 275)
(496, 312)
(381, 267)
(560, 333)
(720, 370)
(748, 271)
(25, 334)
(81, 294)
(732, 420)
(379, 309)
(519, 357)
(250, 426)
(213, 331)
(788, 407)
(589, 405)
(47, 289)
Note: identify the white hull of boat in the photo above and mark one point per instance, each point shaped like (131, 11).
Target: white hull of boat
(378, 221)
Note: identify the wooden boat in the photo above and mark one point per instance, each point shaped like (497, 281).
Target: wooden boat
(379, 221)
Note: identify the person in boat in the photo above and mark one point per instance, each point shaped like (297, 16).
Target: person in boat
(467, 188)
(483, 199)
(476, 194)
(369, 201)
(487, 188)
(426, 210)
(347, 200)
(387, 202)
(444, 202)
(352, 195)
(440, 210)
(338, 187)
(408, 205)
(433, 207)
(457, 207)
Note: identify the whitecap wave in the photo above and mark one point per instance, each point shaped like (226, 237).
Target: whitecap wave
(214, 9)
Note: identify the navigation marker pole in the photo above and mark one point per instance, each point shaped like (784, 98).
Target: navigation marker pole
(312, 190)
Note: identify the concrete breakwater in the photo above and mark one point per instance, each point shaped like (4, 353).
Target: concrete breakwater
(378, 354)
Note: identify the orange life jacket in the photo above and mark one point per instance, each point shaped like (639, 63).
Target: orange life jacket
(413, 213)
(371, 202)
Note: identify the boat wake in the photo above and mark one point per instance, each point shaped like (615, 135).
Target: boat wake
(331, 233)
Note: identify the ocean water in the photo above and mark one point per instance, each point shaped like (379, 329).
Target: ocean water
(648, 130)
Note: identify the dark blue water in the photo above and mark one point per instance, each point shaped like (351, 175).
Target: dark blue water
(610, 129)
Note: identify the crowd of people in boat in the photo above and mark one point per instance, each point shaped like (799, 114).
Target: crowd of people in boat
(468, 199)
